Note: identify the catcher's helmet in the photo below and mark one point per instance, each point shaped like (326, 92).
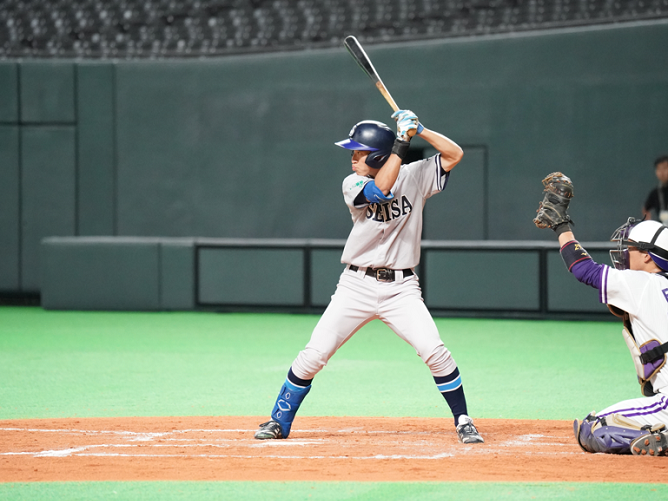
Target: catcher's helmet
(650, 236)
(372, 136)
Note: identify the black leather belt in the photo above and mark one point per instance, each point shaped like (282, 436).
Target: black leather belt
(382, 274)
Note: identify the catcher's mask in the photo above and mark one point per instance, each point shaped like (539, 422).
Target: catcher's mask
(643, 235)
(372, 136)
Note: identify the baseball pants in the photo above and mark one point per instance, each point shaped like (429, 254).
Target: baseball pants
(645, 410)
(360, 299)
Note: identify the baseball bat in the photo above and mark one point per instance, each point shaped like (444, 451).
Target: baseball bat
(356, 50)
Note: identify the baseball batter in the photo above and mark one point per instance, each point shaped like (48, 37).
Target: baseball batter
(385, 199)
(636, 290)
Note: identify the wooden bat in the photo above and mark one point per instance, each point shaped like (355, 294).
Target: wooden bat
(356, 50)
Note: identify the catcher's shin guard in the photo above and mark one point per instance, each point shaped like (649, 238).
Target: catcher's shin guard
(289, 399)
(612, 434)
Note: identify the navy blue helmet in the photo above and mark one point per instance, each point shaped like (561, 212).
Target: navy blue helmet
(369, 135)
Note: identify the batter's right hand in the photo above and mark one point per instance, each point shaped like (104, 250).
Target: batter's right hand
(407, 124)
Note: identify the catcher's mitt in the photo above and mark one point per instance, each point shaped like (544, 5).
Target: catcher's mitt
(552, 211)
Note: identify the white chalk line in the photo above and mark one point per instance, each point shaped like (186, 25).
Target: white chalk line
(240, 456)
(441, 455)
(528, 440)
(132, 433)
(79, 452)
(218, 430)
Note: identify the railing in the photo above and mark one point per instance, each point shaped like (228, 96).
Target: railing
(497, 279)
(516, 279)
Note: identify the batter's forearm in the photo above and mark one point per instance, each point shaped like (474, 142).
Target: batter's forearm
(451, 152)
(387, 176)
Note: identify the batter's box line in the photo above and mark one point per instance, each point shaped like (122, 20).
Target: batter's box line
(442, 455)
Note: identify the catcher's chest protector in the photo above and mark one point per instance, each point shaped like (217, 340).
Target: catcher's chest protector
(646, 369)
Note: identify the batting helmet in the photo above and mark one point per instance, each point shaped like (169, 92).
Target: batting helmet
(372, 136)
(650, 236)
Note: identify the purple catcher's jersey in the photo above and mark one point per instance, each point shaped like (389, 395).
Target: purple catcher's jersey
(387, 235)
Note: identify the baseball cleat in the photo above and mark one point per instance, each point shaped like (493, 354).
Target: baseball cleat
(652, 444)
(467, 432)
(269, 430)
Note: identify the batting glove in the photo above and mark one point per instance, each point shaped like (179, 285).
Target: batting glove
(407, 121)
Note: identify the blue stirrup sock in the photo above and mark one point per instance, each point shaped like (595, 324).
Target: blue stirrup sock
(452, 390)
(292, 394)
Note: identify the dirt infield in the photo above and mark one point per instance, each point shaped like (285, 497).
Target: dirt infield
(319, 448)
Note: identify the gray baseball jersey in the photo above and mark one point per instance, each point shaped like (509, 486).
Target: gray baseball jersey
(387, 235)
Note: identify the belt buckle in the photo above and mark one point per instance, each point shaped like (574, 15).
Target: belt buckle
(384, 275)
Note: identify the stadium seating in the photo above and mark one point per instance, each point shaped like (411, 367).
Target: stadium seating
(201, 28)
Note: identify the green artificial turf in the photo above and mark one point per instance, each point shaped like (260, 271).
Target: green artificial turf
(96, 364)
(328, 491)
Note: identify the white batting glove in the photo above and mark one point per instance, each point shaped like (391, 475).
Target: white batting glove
(401, 114)
(407, 124)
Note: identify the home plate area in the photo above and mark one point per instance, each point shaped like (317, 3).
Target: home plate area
(319, 448)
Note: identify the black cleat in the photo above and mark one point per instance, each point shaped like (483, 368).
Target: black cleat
(467, 432)
(269, 430)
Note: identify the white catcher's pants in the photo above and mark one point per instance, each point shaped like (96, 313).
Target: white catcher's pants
(644, 410)
(358, 300)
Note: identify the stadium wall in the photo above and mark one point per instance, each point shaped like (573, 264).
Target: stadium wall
(242, 146)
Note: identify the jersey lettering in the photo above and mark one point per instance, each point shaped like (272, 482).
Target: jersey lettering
(396, 212)
(665, 293)
(389, 210)
(378, 212)
(386, 211)
(406, 206)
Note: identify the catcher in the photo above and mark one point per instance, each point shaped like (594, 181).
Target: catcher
(636, 290)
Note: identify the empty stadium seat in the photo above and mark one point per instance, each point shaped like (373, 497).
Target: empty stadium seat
(170, 28)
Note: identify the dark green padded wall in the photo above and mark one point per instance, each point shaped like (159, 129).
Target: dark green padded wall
(243, 146)
(9, 208)
(459, 212)
(117, 273)
(326, 269)
(9, 88)
(480, 279)
(149, 273)
(234, 147)
(95, 149)
(177, 274)
(9, 178)
(47, 160)
(590, 103)
(270, 277)
(47, 193)
(120, 274)
(47, 92)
